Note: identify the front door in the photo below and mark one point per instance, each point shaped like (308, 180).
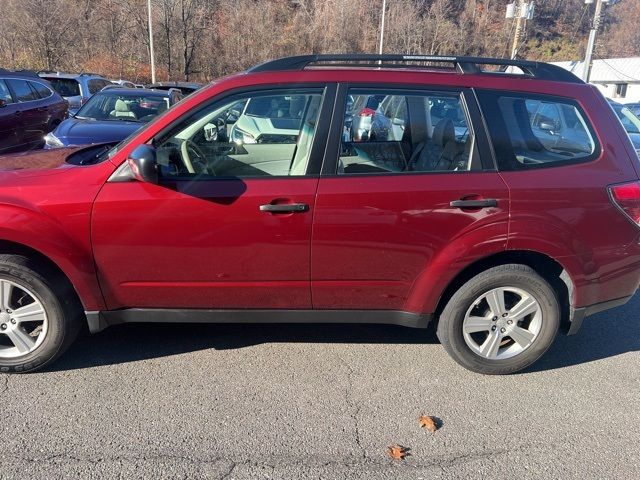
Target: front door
(412, 180)
(229, 223)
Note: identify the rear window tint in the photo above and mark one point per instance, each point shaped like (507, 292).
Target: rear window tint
(532, 131)
(67, 87)
(22, 91)
(43, 92)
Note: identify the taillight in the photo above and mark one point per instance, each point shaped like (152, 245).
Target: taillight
(627, 197)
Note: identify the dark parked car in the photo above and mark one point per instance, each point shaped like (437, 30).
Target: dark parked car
(29, 109)
(112, 115)
(75, 88)
(187, 88)
(499, 236)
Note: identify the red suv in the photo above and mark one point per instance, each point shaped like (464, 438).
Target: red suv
(335, 188)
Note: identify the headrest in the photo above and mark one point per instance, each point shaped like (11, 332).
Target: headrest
(121, 106)
(444, 132)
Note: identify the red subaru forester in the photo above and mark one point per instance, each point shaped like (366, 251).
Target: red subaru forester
(499, 199)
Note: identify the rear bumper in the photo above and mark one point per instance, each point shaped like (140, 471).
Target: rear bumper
(577, 315)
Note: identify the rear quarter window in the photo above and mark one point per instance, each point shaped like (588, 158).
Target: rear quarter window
(23, 93)
(43, 91)
(537, 131)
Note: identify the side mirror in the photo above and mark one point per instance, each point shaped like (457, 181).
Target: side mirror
(3, 102)
(143, 163)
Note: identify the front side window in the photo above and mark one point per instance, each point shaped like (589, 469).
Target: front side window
(405, 132)
(537, 131)
(5, 94)
(262, 134)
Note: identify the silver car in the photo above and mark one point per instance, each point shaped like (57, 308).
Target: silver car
(75, 88)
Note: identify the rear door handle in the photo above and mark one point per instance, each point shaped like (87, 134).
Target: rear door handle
(483, 203)
(284, 207)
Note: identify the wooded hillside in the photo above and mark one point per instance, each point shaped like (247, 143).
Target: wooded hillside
(204, 39)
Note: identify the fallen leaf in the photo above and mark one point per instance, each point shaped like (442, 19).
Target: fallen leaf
(398, 452)
(428, 422)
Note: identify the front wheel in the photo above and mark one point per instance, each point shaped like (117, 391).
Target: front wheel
(500, 321)
(38, 319)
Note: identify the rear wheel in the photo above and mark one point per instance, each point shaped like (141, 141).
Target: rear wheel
(500, 321)
(36, 326)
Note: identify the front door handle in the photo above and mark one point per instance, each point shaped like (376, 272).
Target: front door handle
(482, 203)
(284, 207)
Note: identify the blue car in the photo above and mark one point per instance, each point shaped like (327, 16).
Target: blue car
(111, 115)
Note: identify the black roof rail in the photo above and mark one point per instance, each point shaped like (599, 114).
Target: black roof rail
(465, 65)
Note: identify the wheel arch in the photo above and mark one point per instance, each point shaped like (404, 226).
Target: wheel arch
(50, 266)
(548, 268)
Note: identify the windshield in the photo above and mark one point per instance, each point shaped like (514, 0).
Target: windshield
(120, 106)
(630, 122)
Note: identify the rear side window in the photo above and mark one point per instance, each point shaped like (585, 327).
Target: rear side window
(97, 85)
(5, 94)
(43, 92)
(67, 87)
(531, 131)
(402, 132)
(22, 91)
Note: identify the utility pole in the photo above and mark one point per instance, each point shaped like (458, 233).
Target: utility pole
(521, 11)
(518, 33)
(384, 11)
(595, 26)
(153, 63)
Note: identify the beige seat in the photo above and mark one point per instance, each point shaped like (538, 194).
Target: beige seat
(122, 110)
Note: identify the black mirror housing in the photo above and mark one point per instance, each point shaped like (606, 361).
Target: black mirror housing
(143, 163)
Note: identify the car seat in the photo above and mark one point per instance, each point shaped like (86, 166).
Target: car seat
(122, 110)
(442, 152)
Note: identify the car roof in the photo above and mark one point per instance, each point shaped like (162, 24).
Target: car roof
(21, 74)
(176, 84)
(70, 76)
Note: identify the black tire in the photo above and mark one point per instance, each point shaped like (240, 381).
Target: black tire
(60, 304)
(450, 324)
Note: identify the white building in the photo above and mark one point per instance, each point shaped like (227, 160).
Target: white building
(617, 78)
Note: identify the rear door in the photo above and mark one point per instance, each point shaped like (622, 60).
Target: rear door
(31, 118)
(10, 123)
(412, 196)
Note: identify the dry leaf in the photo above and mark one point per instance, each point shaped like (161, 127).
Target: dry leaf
(398, 452)
(428, 422)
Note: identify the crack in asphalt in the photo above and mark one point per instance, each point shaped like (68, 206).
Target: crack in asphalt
(5, 387)
(279, 462)
(352, 405)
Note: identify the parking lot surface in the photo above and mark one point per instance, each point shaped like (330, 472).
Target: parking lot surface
(317, 401)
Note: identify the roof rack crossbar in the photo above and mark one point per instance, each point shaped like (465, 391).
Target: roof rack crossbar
(465, 65)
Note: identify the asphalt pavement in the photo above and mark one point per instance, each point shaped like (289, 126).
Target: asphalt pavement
(318, 401)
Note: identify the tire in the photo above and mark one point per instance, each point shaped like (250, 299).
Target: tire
(462, 326)
(29, 280)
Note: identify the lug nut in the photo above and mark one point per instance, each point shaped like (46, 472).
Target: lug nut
(493, 328)
(9, 311)
(502, 330)
(505, 314)
(13, 320)
(3, 326)
(509, 322)
(495, 319)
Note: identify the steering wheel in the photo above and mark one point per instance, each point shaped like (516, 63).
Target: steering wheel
(192, 155)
